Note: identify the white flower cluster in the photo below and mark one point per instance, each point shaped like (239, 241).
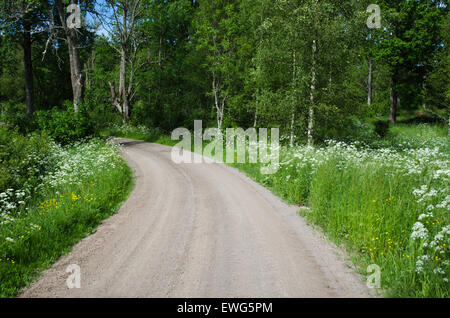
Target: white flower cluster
(69, 164)
(419, 231)
(427, 163)
(127, 129)
(11, 203)
(80, 161)
(421, 263)
(407, 161)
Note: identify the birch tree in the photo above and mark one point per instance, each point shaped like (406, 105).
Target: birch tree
(215, 33)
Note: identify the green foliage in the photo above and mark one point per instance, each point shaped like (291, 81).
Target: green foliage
(13, 114)
(134, 132)
(87, 183)
(23, 158)
(408, 45)
(381, 127)
(64, 126)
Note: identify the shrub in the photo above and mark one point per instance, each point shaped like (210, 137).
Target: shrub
(64, 126)
(140, 132)
(23, 158)
(381, 127)
(85, 184)
(14, 115)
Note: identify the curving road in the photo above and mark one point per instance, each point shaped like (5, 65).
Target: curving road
(200, 230)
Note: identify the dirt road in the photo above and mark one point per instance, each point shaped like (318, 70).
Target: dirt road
(200, 230)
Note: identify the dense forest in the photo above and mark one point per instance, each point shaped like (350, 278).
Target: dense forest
(315, 69)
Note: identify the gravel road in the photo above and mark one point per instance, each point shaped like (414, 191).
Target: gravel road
(200, 230)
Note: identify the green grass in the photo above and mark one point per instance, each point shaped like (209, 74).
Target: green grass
(57, 219)
(425, 131)
(372, 211)
(368, 207)
(139, 133)
(415, 136)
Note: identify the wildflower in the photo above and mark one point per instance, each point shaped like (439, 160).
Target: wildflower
(419, 231)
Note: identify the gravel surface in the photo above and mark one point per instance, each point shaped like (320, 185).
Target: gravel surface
(200, 230)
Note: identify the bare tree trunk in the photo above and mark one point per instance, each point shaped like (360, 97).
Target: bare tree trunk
(123, 94)
(158, 96)
(125, 13)
(76, 74)
(448, 132)
(291, 142)
(258, 90)
(218, 103)
(29, 91)
(311, 95)
(424, 89)
(393, 104)
(88, 68)
(369, 82)
(120, 98)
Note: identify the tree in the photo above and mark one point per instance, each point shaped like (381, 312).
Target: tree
(408, 45)
(126, 15)
(23, 18)
(76, 74)
(437, 94)
(215, 35)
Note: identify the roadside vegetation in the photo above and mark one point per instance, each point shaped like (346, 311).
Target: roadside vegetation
(387, 201)
(363, 110)
(51, 197)
(388, 205)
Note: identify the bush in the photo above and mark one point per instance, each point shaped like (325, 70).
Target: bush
(23, 158)
(361, 131)
(381, 127)
(140, 132)
(64, 126)
(85, 183)
(14, 115)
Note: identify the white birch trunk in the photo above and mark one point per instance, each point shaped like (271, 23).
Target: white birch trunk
(311, 96)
